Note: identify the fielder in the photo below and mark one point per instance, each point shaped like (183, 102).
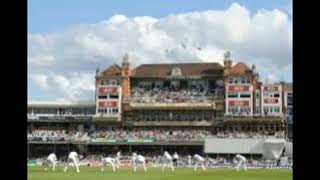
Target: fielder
(118, 162)
(51, 160)
(189, 160)
(108, 160)
(73, 160)
(167, 160)
(138, 159)
(175, 158)
(199, 161)
(242, 162)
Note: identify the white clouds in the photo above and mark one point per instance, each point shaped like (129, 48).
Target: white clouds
(73, 86)
(117, 19)
(42, 60)
(40, 80)
(288, 8)
(262, 38)
(67, 86)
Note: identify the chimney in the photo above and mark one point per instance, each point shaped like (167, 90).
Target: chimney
(97, 71)
(227, 62)
(125, 59)
(125, 79)
(254, 69)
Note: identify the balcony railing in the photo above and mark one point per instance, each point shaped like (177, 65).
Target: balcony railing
(60, 118)
(253, 118)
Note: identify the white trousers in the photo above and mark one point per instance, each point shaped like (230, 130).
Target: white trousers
(72, 162)
(52, 163)
(168, 163)
(241, 164)
(111, 163)
(134, 165)
(199, 163)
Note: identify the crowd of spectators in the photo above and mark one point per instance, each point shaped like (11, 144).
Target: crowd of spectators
(141, 135)
(173, 94)
(249, 134)
(155, 134)
(50, 135)
(63, 114)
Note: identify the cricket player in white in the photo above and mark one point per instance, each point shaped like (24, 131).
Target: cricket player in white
(167, 160)
(189, 160)
(73, 159)
(138, 159)
(108, 160)
(118, 156)
(51, 160)
(175, 158)
(199, 161)
(242, 162)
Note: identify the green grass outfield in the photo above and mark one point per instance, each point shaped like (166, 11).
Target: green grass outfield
(155, 173)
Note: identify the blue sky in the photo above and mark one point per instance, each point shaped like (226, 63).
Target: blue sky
(51, 15)
(51, 18)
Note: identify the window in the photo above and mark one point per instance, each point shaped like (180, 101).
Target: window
(114, 96)
(290, 112)
(248, 81)
(235, 81)
(245, 110)
(219, 115)
(230, 81)
(232, 95)
(289, 99)
(243, 81)
(271, 110)
(245, 95)
(103, 97)
(233, 109)
(276, 109)
(103, 110)
(114, 110)
(276, 95)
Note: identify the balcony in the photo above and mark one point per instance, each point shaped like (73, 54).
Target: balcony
(242, 118)
(59, 117)
(106, 118)
(169, 123)
(174, 98)
(176, 106)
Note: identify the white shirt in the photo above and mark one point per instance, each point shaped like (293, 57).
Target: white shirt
(175, 156)
(167, 155)
(140, 158)
(118, 155)
(240, 157)
(108, 160)
(73, 155)
(198, 157)
(52, 157)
